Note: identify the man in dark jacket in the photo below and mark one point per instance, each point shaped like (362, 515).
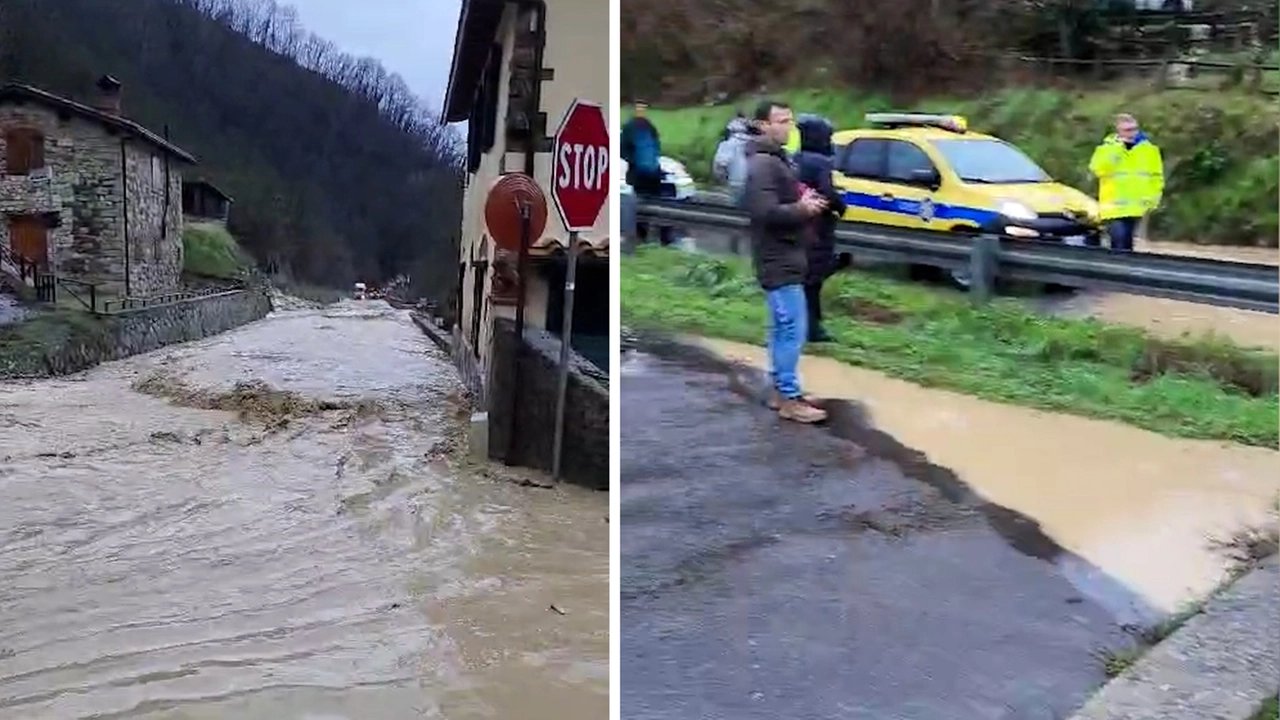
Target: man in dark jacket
(814, 164)
(780, 220)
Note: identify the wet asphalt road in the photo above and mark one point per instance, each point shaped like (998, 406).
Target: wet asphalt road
(777, 571)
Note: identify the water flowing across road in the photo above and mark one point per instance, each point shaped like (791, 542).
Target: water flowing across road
(269, 524)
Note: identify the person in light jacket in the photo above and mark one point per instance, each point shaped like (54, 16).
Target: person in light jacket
(1130, 174)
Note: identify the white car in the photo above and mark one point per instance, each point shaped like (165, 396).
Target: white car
(677, 184)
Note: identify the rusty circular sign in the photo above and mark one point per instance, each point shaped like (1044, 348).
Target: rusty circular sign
(580, 165)
(502, 210)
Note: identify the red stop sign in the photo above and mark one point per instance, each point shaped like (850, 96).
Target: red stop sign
(580, 165)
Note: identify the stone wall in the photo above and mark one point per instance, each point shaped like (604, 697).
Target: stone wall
(469, 368)
(79, 341)
(585, 459)
(455, 345)
(83, 187)
(71, 143)
(154, 219)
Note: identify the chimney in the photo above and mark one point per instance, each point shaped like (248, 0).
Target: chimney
(108, 95)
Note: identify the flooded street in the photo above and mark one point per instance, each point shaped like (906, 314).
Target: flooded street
(1173, 318)
(1139, 508)
(267, 525)
(772, 570)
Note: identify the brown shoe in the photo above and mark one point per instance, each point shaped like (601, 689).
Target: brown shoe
(774, 401)
(801, 412)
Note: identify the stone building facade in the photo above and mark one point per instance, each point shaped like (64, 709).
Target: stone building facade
(88, 194)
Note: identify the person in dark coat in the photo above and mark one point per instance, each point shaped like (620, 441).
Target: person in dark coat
(641, 148)
(814, 164)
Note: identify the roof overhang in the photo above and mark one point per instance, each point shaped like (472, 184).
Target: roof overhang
(478, 23)
(17, 92)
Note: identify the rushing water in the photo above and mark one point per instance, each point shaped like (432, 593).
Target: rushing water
(1144, 509)
(314, 555)
(1173, 318)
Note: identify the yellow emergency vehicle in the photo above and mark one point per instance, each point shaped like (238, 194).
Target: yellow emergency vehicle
(930, 172)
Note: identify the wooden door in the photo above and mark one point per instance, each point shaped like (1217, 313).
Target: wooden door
(29, 238)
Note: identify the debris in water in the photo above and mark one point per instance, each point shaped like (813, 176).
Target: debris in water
(252, 401)
(165, 436)
(557, 610)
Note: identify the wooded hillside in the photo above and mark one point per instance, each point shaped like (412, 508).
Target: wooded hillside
(336, 169)
(675, 51)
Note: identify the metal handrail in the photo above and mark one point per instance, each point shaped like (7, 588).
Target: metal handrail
(1250, 286)
(139, 302)
(67, 284)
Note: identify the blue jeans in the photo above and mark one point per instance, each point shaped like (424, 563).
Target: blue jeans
(788, 328)
(1122, 231)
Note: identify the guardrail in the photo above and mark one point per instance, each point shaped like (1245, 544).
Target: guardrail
(989, 258)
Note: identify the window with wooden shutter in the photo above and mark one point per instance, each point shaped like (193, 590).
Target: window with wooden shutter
(24, 151)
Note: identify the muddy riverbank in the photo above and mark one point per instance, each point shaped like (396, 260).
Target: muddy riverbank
(268, 524)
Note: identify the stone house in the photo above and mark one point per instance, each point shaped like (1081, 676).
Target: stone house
(204, 202)
(517, 66)
(87, 194)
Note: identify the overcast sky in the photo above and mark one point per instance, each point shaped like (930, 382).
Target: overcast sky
(413, 38)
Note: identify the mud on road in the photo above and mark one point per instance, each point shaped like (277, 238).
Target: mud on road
(270, 524)
(771, 570)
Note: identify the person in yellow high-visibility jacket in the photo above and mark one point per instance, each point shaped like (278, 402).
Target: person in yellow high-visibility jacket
(1130, 176)
(793, 141)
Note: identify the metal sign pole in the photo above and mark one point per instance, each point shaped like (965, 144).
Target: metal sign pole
(566, 336)
(522, 260)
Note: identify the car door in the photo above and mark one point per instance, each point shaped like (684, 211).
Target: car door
(909, 185)
(860, 166)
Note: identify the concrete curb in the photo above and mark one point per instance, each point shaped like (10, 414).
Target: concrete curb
(1221, 665)
(437, 335)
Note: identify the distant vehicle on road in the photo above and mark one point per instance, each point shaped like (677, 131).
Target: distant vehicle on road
(677, 183)
(360, 292)
(929, 172)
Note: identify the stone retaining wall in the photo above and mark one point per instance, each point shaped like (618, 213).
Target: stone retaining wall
(585, 459)
(72, 341)
(586, 417)
(452, 343)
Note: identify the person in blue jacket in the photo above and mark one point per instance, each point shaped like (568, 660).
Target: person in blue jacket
(641, 148)
(815, 161)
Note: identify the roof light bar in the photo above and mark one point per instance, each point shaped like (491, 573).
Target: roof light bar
(953, 123)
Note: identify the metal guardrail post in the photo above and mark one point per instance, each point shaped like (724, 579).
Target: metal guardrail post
(984, 261)
(628, 203)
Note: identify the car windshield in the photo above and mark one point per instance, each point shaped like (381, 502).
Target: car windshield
(990, 162)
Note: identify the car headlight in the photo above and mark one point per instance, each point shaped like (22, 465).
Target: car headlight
(1017, 211)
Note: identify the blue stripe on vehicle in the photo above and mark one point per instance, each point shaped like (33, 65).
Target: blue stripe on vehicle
(941, 211)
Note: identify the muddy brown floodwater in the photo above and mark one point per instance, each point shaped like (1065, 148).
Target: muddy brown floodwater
(1142, 509)
(264, 525)
(1173, 318)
